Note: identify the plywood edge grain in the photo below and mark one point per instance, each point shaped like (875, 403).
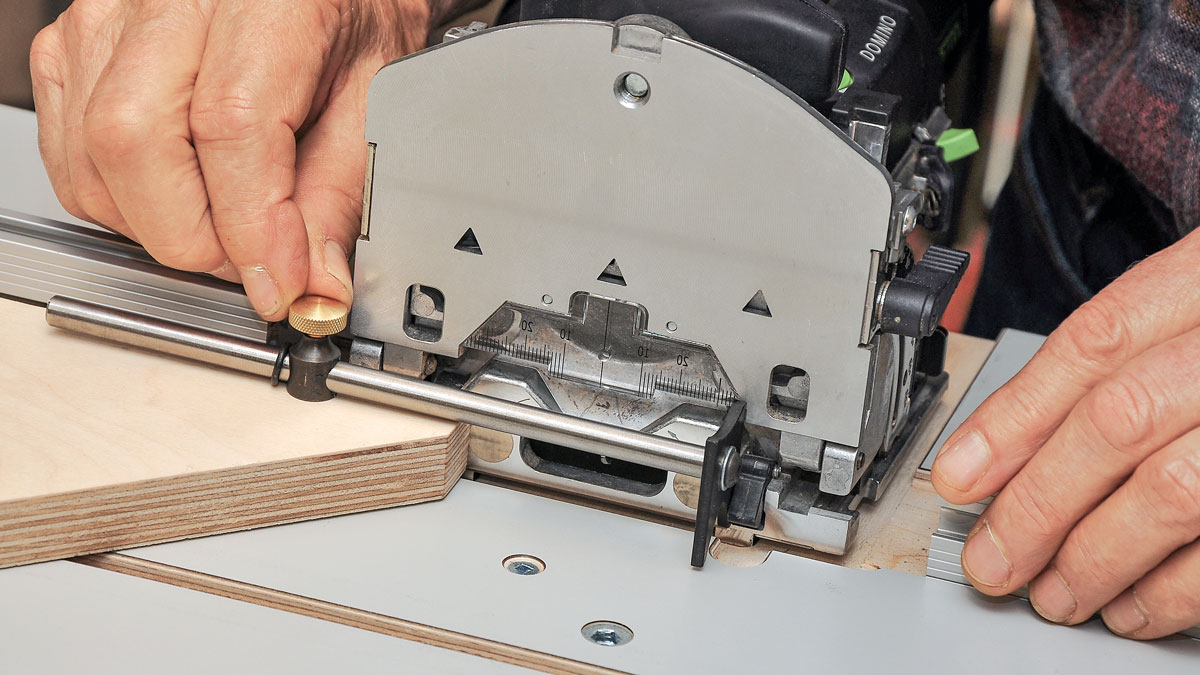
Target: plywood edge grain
(341, 614)
(214, 502)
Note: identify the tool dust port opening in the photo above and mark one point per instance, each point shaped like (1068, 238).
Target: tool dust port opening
(586, 467)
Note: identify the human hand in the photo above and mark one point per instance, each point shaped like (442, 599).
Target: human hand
(1095, 450)
(225, 136)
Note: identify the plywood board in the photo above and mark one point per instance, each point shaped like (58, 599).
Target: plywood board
(105, 447)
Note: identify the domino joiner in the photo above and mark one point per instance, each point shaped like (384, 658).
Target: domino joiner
(611, 221)
(648, 271)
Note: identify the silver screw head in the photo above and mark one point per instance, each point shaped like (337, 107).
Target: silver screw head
(632, 90)
(523, 568)
(607, 633)
(524, 565)
(602, 636)
(636, 85)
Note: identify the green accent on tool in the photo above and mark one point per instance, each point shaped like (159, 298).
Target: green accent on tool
(847, 80)
(958, 143)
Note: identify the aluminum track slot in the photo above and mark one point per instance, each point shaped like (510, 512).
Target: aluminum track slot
(946, 545)
(40, 259)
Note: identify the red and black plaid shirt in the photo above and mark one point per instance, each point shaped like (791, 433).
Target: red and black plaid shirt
(1128, 73)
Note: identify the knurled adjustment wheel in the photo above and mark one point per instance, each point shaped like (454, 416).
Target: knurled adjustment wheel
(318, 316)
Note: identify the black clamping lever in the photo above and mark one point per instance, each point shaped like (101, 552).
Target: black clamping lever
(733, 482)
(913, 305)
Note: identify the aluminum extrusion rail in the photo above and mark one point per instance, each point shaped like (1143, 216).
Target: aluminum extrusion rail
(42, 258)
(946, 545)
(380, 387)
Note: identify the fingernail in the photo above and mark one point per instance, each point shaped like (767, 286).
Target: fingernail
(962, 464)
(1052, 597)
(261, 289)
(227, 272)
(983, 559)
(1125, 615)
(336, 264)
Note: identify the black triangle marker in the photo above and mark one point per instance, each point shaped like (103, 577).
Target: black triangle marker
(758, 305)
(612, 274)
(468, 243)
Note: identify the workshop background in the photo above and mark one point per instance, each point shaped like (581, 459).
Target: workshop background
(1002, 73)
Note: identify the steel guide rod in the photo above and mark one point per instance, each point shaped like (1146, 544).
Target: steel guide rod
(382, 387)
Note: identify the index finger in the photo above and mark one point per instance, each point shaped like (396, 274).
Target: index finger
(1155, 301)
(137, 135)
(257, 79)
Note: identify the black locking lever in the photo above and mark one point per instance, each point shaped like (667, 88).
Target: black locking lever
(733, 482)
(913, 305)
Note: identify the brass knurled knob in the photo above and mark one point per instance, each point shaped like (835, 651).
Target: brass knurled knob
(318, 317)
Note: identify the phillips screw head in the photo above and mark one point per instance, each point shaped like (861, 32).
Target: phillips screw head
(317, 316)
